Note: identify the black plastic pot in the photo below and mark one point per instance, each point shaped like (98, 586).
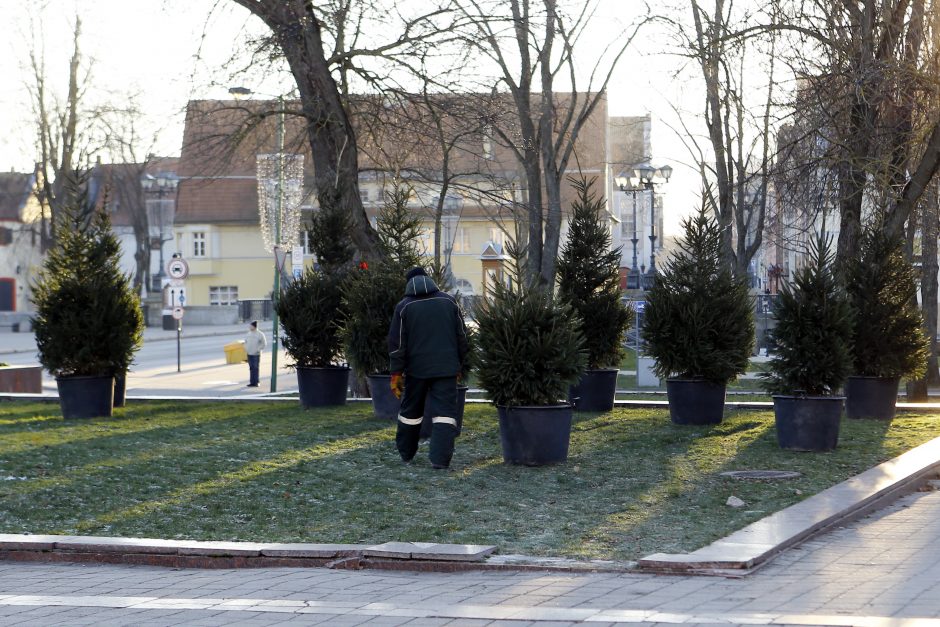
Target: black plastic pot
(535, 436)
(808, 423)
(427, 425)
(695, 401)
(322, 387)
(120, 389)
(384, 404)
(85, 397)
(871, 397)
(595, 391)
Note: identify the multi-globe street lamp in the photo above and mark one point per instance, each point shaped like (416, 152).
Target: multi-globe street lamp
(644, 177)
(159, 211)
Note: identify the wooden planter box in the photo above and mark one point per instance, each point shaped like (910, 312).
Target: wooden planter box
(21, 379)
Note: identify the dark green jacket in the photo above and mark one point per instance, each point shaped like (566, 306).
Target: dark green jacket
(427, 338)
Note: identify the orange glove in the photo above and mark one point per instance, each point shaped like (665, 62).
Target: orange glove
(397, 384)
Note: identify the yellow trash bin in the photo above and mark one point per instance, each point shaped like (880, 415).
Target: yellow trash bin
(235, 352)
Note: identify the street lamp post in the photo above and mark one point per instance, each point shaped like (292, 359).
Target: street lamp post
(278, 208)
(633, 277)
(160, 186)
(277, 237)
(646, 175)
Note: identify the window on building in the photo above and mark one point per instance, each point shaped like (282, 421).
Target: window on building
(464, 286)
(626, 225)
(497, 236)
(427, 241)
(461, 241)
(453, 203)
(306, 240)
(364, 195)
(199, 244)
(6, 236)
(223, 295)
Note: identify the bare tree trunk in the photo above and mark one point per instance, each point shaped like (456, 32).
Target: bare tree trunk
(329, 131)
(57, 130)
(928, 278)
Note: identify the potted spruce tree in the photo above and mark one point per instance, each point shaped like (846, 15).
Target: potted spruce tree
(88, 320)
(699, 324)
(589, 281)
(531, 351)
(888, 340)
(812, 359)
(370, 296)
(311, 313)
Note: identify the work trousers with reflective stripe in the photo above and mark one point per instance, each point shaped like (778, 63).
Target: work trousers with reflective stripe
(440, 395)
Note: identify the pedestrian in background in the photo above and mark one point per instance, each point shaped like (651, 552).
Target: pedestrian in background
(427, 345)
(255, 342)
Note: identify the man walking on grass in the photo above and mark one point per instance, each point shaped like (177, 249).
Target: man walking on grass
(427, 344)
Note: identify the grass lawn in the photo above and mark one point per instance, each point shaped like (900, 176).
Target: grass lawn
(634, 483)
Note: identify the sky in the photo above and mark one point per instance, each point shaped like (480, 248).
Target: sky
(166, 52)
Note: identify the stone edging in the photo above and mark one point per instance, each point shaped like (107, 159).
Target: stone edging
(194, 554)
(746, 549)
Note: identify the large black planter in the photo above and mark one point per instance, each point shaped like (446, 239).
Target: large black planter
(871, 397)
(595, 391)
(384, 404)
(120, 389)
(322, 387)
(808, 423)
(427, 425)
(86, 397)
(695, 401)
(535, 436)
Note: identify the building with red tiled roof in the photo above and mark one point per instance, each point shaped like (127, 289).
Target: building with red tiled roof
(217, 216)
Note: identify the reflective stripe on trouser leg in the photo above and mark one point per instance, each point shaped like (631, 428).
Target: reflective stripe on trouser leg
(409, 417)
(443, 432)
(406, 437)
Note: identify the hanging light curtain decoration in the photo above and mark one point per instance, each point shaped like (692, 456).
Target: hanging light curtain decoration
(280, 230)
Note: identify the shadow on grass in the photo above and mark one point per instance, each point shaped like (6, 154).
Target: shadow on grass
(634, 483)
(137, 426)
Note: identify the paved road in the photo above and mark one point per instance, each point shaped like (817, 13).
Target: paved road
(202, 363)
(881, 571)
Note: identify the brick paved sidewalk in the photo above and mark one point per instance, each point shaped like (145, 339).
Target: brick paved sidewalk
(882, 571)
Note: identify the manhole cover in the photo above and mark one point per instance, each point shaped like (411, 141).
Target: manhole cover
(761, 474)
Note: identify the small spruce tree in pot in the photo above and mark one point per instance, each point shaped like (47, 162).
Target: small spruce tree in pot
(812, 356)
(531, 351)
(699, 324)
(372, 292)
(311, 313)
(88, 320)
(589, 281)
(888, 339)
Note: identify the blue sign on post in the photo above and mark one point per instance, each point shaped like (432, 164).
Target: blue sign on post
(639, 305)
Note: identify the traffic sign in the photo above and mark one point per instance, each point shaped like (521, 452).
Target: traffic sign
(177, 283)
(177, 313)
(639, 305)
(177, 268)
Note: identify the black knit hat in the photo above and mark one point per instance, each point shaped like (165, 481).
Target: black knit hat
(417, 271)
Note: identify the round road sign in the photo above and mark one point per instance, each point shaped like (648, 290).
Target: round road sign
(177, 313)
(177, 268)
